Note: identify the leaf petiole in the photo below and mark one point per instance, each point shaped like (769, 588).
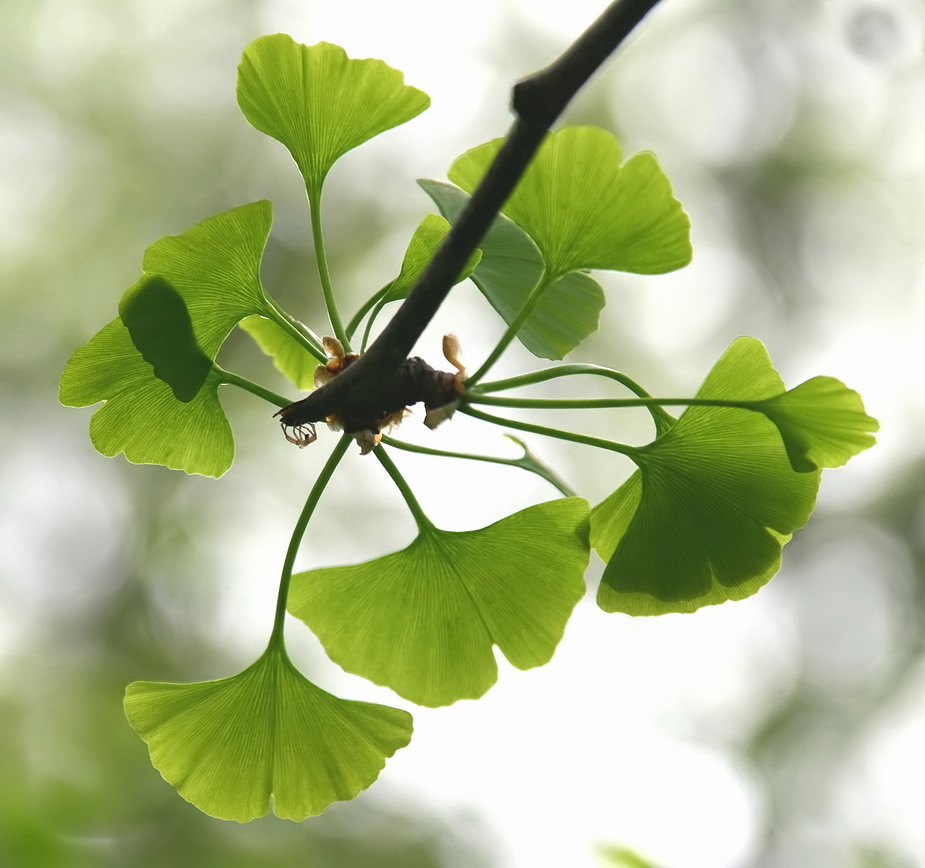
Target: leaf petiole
(622, 448)
(295, 329)
(375, 299)
(663, 420)
(528, 461)
(546, 280)
(324, 274)
(298, 532)
(603, 403)
(228, 378)
(423, 522)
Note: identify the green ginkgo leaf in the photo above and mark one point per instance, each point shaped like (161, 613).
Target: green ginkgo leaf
(704, 518)
(318, 102)
(568, 311)
(822, 422)
(214, 268)
(424, 242)
(264, 738)
(583, 209)
(141, 415)
(423, 620)
(289, 356)
(197, 286)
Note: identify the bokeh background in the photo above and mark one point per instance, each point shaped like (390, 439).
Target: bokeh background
(785, 730)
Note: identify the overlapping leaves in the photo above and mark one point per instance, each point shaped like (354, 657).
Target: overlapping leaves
(153, 366)
(423, 620)
(264, 737)
(510, 268)
(704, 518)
(583, 209)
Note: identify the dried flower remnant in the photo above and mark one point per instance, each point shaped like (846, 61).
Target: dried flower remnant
(365, 420)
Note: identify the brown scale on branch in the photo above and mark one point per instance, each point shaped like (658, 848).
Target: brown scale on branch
(414, 381)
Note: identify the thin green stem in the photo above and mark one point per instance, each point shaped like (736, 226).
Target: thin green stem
(511, 332)
(298, 532)
(527, 461)
(231, 379)
(297, 330)
(663, 421)
(536, 377)
(324, 273)
(583, 439)
(369, 323)
(420, 517)
(366, 307)
(601, 403)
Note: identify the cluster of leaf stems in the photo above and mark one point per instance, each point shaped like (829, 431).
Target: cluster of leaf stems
(476, 392)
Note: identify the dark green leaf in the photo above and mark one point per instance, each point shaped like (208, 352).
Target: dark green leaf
(159, 322)
(704, 518)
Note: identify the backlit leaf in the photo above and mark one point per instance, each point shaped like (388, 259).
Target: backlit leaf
(583, 209)
(197, 285)
(320, 103)
(511, 265)
(264, 738)
(822, 422)
(421, 249)
(423, 620)
(141, 415)
(714, 500)
(289, 356)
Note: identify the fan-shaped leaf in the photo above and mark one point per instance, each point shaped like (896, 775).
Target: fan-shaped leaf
(822, 422)
(215, 268)
(141, 416)
(423, 620)
(584, 210)
(318, 102)
(511, 265)
(197, 285)
(266, 736)
(704, 518)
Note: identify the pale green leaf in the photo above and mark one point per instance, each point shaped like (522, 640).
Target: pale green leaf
(158, 356)
(320, 103)
(715, 498)
(822, 422)
(423, 620)
(264, 738)
(215, 268)
(583, 209)
(289, 356)
(141, 416)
